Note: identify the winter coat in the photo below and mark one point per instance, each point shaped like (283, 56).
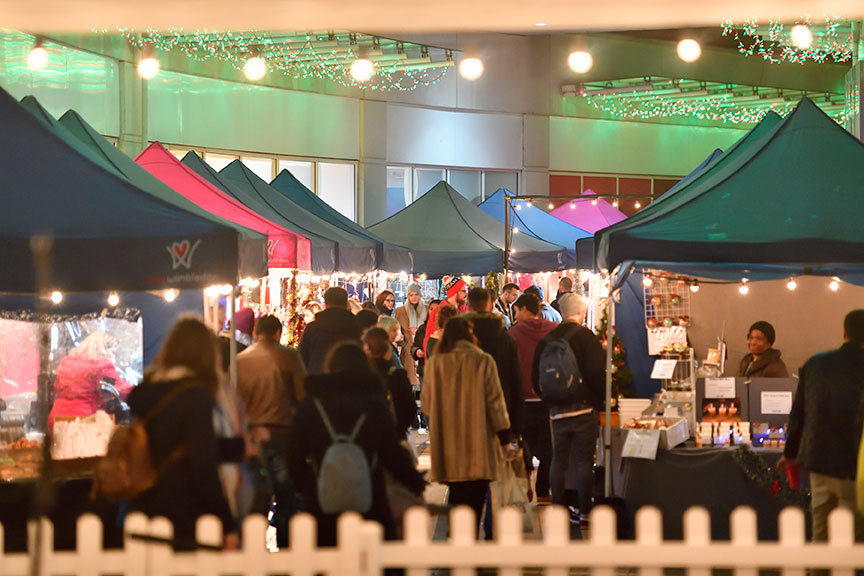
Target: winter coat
(492, 337)
(399, 392)
(189, 486)
(465, 404)
(547, 312)
(825, 423)
(331, 326)
(345, 397)
(528, 334)
(270, 382)
(77, 386)
(592, 365)
(768, 365)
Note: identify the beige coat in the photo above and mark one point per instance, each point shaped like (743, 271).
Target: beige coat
(463, 398)
(270, 382)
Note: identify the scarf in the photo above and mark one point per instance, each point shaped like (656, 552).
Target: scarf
(417, 313)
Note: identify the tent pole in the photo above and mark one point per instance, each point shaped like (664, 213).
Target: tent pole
(607, 428)
(232, 370)
(506, 236)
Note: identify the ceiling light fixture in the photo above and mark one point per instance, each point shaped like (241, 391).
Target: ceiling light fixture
(255, 68)
(580, 61)
(689, 50)
(471, 68)
(362, 69)
(38, 56)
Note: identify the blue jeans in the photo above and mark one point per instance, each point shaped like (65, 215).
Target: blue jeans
(275, 459)
(576, 435)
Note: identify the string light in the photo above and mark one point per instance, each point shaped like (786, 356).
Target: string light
(744, 289)
(327, 57)
(56, 297)
(518, 207)
(551, 206)
(791, 285)
(615, 203)
(113, 299)
(515, 230)
(835, 284)
(170, 295)
(38, 56)
(594, 202)
(572, 205)
(647, 282)
(832, 40)
(528, 204)
(694, 287)
(637, 205)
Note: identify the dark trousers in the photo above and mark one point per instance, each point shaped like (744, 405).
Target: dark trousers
(471, 494)
(274, 457)
(539, 440)
(576, 436)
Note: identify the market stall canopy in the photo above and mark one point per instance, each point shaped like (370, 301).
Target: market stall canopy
(105, 233)
(527, 219)
(448, 234)
(589, 214)
(285, 249)
(333, 249)
(787, 204)
(388, 256)
(585, 254)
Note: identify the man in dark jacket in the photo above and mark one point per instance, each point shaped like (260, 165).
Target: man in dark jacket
(565, 286)
(332, 325)
(575, 425)
(493, 339)
(825, 425)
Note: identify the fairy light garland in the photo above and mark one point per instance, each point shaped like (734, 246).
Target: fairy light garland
(296, 59)
(830, 40)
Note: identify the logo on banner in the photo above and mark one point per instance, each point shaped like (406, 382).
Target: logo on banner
(271, 246)
(181, 253)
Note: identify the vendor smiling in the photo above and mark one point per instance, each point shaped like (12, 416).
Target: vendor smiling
(763, 361)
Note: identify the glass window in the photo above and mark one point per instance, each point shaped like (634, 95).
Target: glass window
(425, 179)
(302, 171)
(399, 190)
(467, 183)
(263, 167)
(218, 161)
(179, 154)
(492, 181)
(337, 187)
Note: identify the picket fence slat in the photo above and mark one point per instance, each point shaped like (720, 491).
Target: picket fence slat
(362, 550)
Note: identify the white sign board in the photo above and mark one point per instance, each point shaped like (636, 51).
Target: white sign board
(665, 336)
(776, 402)
(720, 388)
(663, 369)
(641, 444)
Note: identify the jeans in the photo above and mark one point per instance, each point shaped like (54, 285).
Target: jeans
(275, 459)
(576, 435)
(829, 493)
(539, 440)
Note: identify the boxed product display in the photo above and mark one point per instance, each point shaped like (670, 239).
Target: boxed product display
(671, 431)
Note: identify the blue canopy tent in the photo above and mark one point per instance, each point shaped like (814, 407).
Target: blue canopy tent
(388, 256)
(104, 232)
(448, 234)
(333, 249)
(535, 222)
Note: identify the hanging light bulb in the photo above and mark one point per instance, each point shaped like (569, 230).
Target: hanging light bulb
(362, 69)
(113, 299)
(515, 230)
(580, 61)
(512, 251)
(471, 68)
(637, 205)
(518, 206)
(528, 204)
(744, 289)
(801, 36)
(791, 285)
(835, 284)
(38, 56)
(695, 286)
(572, 205)
(647, 282)
(56, 297)
(148, 66)
(689, 50)
(615, 204)
(594, 202)
(551, 206)
(170, 295)
(255, 68)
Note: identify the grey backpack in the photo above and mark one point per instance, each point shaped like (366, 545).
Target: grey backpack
(344, 477)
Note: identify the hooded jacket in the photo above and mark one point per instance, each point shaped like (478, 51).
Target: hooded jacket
(528, 334)
(331, 326)
(768, 365)
(493, 339)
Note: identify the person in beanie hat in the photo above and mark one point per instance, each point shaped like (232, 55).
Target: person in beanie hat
(763, 361)
(457, 293)
(411, 316)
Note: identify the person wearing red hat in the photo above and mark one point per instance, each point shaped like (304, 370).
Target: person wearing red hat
(457, 293)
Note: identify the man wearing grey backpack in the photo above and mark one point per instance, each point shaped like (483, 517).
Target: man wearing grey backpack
(569, 375)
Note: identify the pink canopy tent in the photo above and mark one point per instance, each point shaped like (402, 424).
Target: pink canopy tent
(285, 249)
(587, 216)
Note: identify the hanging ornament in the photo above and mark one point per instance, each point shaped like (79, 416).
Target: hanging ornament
(651, 323)
(675, 299)
(667, 322)
(684, 320)
(613, 369)
(656, 300)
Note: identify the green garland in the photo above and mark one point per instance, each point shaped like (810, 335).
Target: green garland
(622, 378)
(769, 478)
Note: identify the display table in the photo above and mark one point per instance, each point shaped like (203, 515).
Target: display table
(685, 477)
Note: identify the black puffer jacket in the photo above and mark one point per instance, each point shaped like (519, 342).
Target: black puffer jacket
(825, 423)
(493, 339)
(331, 326)
(767, 365)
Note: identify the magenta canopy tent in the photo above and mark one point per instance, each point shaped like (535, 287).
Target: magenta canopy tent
(285, 249)
(590, 217)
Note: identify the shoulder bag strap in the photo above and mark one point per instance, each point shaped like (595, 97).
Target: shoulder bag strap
(325, 419)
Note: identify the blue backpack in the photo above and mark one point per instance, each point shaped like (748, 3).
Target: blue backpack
(560, 378)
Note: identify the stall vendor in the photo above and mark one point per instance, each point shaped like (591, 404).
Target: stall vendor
(763, 361)
(77, 389)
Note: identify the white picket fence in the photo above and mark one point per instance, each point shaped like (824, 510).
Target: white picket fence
(362, 551)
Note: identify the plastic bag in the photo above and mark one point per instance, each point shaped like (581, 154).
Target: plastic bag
(511, 490)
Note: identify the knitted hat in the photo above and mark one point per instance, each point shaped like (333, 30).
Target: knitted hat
(452, 285)
(571, 304)
(412, 288)
(245, 320)
(766, 329)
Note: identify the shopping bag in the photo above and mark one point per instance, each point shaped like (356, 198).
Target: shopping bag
(515, 494)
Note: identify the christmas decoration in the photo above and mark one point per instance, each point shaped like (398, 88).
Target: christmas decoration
(292, 317)
(656, 300)
(769, 478)
(622, 378)
(492, 283)
(651, 322)
(775, 42)
(674, 299)
(667, 322)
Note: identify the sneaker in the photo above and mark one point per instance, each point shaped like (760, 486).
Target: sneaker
(583, 521)
(575, 517)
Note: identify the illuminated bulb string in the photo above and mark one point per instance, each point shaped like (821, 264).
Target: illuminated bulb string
(776, 46)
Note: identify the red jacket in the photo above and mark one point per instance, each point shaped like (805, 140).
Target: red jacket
(527, 334)
(76, 390)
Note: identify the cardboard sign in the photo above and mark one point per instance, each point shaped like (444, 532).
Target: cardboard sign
(720, 388)
(776, 402)
(663, 369)
(641, 444)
